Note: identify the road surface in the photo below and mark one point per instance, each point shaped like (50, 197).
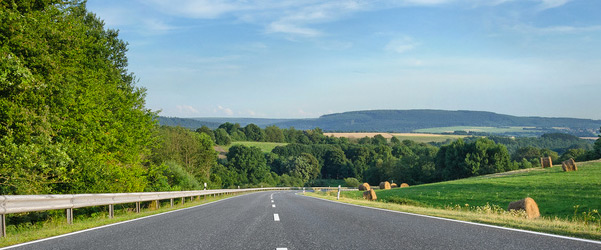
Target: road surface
(285, 220)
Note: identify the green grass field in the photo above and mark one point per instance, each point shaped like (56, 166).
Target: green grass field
(493, 130)
(557, 193)
(264, 146)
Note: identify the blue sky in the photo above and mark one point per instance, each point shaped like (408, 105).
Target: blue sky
(306, 58)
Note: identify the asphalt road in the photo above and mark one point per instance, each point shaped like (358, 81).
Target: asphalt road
(250, 222)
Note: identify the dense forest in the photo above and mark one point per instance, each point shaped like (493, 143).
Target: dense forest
(73, 121)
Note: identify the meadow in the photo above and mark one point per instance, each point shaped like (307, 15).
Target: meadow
(264, 146)
(566, 195)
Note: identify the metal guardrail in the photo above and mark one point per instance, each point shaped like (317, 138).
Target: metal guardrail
(10, 204)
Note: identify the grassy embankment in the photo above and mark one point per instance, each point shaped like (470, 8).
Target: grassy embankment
(569, 202)
(56, 225)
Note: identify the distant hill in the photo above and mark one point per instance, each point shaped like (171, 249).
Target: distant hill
(410, 120)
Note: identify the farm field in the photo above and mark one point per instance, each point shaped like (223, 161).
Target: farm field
(264, 146)
(494, 130)
(558, 194)
(417, 137)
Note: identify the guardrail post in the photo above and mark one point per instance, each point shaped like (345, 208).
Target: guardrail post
(205, 197)
(158, 204)
(171, 202)
(183, 200)
(3, 225)
(69, 215)
(137, 207)
(111, 211)
(191, 198)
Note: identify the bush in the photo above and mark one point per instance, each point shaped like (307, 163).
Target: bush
(351, 182)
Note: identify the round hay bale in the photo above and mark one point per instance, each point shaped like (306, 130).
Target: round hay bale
(546, 162)
(385, 185)
(364, 187)
(527, 204)
(393, 185)
(370, 195)
(569, 165)
(404, 185)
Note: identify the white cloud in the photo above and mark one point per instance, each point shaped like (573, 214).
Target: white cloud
(186, 110)
(401, 45)
(222, 110)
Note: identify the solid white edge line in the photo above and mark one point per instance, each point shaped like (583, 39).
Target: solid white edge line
(465, 222)
(276, 217)
(281, 248)
(114, 224)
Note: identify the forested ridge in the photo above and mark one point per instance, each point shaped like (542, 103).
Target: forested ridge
(408, 121)
(72, 120)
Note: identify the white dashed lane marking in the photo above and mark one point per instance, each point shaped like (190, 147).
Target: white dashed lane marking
(276, 217)
(281, 248)
(272, 205)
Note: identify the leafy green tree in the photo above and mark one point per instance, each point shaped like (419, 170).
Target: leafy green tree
(597, 149)
(254, 133)
(335, 164)
(249, 162)
(378, 140)
(274, 134)
(206, 130)
(222, 138)
(305, 167)
(69, 110)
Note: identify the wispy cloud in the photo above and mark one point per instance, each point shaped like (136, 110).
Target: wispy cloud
(223, 110)
(549, 4)
(186, 110)
(401, 45)
(556, 30)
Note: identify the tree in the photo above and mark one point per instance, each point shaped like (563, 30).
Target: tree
(206, 130)
(274, 134)
(334, 161)
(249, 162)
(221, 137)
(305, 167)
(70, 112)
(378, 140)
(254, 133)
(597, 149)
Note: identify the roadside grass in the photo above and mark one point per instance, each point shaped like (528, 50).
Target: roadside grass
(569, 202)
(265, 147)
(486, 214)
(57, 225)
